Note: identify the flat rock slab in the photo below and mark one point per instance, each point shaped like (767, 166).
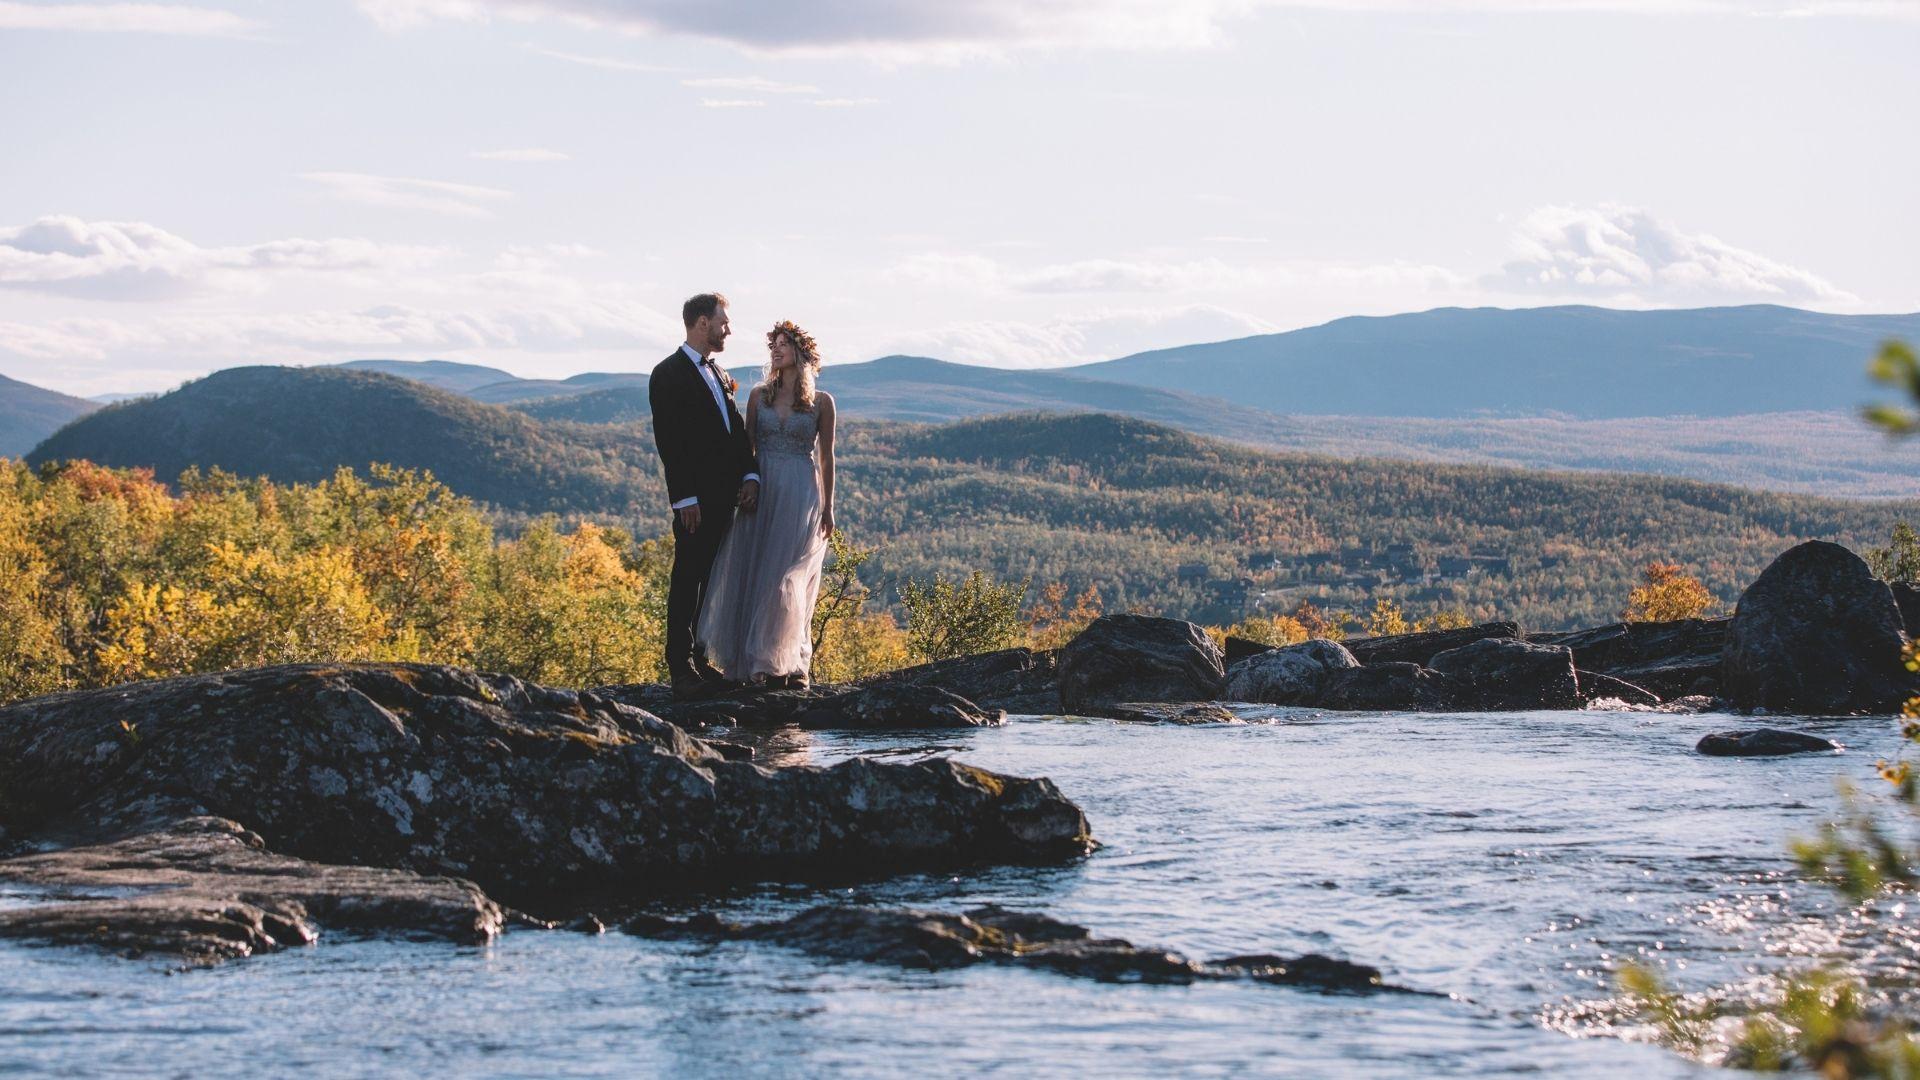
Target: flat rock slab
(936, 940)
(1176, 712)
(1422, 646)
(1764, 742)
(204, 889)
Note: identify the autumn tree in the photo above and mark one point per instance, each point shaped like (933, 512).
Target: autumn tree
(1666, 594)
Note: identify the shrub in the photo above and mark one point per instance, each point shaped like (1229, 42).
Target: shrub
(1899, 561)
(1666, 594)
(1051, 623)
(945, 620)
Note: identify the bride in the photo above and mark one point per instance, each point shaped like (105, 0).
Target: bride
(757, 622)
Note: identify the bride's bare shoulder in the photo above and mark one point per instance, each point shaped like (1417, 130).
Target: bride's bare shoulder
(824, 399)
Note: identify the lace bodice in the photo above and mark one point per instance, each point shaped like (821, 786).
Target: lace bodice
(790, 434)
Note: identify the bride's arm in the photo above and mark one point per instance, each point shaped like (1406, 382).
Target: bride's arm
(824, 401)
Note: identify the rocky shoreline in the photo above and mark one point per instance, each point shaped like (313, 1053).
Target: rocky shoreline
(218, 816)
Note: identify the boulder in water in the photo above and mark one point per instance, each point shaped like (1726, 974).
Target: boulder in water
(1174, 712)
(1763, 742)
(1670, 659)
(1817, 633)
(1387, 687)
(1290, 675)
(1422, 646)
(1505, 673)
(1120, 658)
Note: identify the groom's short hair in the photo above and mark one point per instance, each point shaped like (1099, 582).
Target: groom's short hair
(704, 304)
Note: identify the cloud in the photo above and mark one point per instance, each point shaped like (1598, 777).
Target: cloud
(607, 62)
(978, 273)
(530, 154)
(1625, 254)
(1099, 334)
(731, 103)
(880, 28)
(892, 31)
(132, 260)
(401, 193)
(752, 84)
(844, 103)
(170, 19)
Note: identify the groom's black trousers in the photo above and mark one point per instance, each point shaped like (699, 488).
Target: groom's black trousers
(693, 554)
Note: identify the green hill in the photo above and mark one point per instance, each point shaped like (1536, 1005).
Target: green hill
(29, 413)
(1113, 501)
(299, 424)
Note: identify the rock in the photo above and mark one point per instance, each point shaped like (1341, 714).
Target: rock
(1012, 680)
(1817, 633)
(1179, 712)
(1387, 687)
(1138, 658)
(1763, 742)
(1420, 648)
(1291, 675)
(1504, 673)
(1907, 598)
(1667, 658)
(935, 940)
(527, 790)
(1239, 648)
(1596, 687)
(901, 707)
(205, 889)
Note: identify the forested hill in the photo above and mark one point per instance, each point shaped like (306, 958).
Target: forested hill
(299, 424)
(1111, 501)
(29, 413)
(1577, 361)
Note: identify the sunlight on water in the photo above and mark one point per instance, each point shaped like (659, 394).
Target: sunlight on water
(1509, 861)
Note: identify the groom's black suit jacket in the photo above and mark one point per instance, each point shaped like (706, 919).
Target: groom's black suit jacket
(701, 456)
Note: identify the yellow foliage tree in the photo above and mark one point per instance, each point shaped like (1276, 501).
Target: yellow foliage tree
(1051, 623)
(1667, 594)
(1386, 619)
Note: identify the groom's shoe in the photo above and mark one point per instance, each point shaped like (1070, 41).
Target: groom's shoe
(707, 672)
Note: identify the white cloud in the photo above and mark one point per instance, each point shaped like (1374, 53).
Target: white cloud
(981, 274)
(132, 260)
(731, 103)
(607, 62)
(890, 30)
(751, 84)
(844, 103)
(174, 19)
(1099, 334)
(1625, 254)
(529, 154)
(402, 193)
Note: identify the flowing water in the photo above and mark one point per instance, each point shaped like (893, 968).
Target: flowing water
(1506, 862)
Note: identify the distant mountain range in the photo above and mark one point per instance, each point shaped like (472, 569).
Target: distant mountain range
(1759, 396)
(29, 414)
(1094, 498)
(1575, 361)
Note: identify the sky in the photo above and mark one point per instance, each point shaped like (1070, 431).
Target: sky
(537, 184)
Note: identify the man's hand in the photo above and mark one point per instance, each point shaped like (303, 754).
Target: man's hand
(749, 495)
(689, 517)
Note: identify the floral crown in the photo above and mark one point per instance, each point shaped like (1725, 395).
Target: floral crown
(803, 342)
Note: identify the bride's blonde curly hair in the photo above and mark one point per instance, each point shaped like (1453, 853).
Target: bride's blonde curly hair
(806, 364)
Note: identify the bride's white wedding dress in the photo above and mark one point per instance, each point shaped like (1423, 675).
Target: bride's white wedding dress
(757, 621)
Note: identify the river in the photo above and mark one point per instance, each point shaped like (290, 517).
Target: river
(1506, 862)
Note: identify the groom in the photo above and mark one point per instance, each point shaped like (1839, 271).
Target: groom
(709, 465)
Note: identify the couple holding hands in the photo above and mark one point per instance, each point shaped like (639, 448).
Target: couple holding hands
(752, 500)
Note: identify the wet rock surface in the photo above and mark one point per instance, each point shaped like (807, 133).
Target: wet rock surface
(1505, 673)
(1290, 675)
(1763, 742)
(206, 889)
(1122, 658)
(935, 940)
(904, 706)
(901, 707)
(1596, 687)
(1421, 647)
(1817, 633)
(524, 789)
(1012, 680)
(1176, 712)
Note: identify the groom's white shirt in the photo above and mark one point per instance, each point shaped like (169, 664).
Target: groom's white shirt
(719, 402)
